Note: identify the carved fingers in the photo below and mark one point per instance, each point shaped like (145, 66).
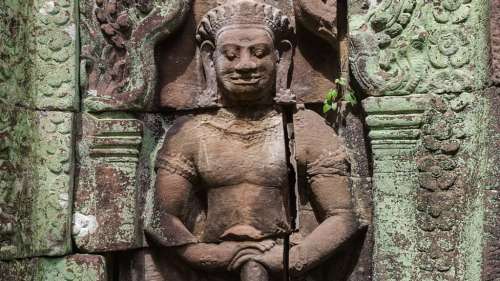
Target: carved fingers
(272, 259)
(249, 250)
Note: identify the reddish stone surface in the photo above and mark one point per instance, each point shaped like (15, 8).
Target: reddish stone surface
(225, 201)
(106, 213)
(491, 253)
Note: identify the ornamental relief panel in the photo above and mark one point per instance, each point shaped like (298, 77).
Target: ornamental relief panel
(231, 169)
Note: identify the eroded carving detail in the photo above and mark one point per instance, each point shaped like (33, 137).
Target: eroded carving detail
(405, 47)
(35, 176)
(54, 47)
(13, 50)
(118, 66)
(388, 48)
(441, 195)
(106, 212)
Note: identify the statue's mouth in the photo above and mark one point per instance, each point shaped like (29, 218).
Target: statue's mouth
(240, 80)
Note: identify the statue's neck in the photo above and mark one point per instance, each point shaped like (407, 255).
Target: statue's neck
(230, 100)
(248, 113)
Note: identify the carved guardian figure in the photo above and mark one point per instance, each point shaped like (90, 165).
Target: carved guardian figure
(222, 185)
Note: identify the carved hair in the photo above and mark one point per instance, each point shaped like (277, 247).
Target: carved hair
(244, 12)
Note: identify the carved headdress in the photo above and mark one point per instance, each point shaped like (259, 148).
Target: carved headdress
(244, 12)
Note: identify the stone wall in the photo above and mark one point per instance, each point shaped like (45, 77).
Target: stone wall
(433, 126)
(80, 125)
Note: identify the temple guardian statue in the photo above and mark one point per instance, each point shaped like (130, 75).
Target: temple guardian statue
(225, 201)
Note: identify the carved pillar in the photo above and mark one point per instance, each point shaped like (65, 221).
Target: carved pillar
(394, 133)
(427, 72)
(37, 99)
(106, 216)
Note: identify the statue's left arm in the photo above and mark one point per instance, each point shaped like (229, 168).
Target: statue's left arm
(324, 157)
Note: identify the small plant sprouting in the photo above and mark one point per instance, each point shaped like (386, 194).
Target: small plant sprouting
(332, 99)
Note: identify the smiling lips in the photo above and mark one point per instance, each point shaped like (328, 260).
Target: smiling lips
(242, 80)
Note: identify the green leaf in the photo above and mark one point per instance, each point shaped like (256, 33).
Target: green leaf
(350, 98)
(340, 81)
(334, 107)
(326, 107)
(331, 95)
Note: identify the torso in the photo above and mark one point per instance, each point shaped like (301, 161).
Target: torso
(241, 164)
(232, 152)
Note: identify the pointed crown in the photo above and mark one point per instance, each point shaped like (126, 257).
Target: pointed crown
(244, 12)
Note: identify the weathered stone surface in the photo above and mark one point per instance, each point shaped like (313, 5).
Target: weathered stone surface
(146, 264)
(394, 211)
(495, 40)
(118, 68)
(14, 36)
(38, 54)
(74, 267)
(428, 205)
(53, 62)
(314, 67)
(225, 203)
(394, 133)
(440, 198)
(353, 131)
(182, 86)
(429, 152)
(123, 36)
(360, 187)
(106, 215)
(491, 186)
(36, 178)
(415, 46)
(491, 254)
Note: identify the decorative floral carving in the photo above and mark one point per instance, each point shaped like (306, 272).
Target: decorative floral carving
(441, 193)
(397, 51)
(387, 53)
(436, 172)
(448, 47)
(118, 68)
(53, 47)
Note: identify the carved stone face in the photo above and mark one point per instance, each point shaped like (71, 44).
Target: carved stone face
(245, 63)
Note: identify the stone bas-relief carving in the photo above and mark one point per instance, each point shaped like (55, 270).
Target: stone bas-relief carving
(129, 48)
(224, 202)
(426, 63)
(36, 170)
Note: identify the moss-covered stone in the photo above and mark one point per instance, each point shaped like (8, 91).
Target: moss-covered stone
(38, 66)
(69, 268)
(36, 179)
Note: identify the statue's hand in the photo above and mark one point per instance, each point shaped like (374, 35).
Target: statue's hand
(208, 256)
(272, 259)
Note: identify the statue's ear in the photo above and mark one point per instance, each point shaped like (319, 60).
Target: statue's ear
(283, 93)
(209, 96)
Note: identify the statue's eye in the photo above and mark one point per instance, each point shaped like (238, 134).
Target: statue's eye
(230, 53)
(258, 52)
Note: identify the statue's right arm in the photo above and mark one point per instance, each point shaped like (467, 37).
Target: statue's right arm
(174, 195)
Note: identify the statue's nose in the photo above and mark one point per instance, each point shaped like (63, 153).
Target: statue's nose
(246, 65)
